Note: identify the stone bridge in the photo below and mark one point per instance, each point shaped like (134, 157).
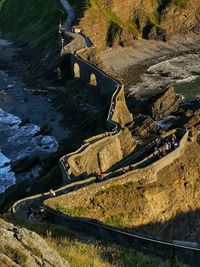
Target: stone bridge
(100, 152)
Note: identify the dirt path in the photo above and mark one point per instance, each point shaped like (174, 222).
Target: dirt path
(70, 14)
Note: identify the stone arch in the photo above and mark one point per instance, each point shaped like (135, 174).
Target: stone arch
(93, 79)
(76, 71)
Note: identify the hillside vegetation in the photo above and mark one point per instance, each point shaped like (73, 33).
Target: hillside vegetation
(154, 208)
(106, 22)
(80, 251)
(34, 22)
(118, 22)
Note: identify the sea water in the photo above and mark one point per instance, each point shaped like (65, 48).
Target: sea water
(18, 142)
(189, 89)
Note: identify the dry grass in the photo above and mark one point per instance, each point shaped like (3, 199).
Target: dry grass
(82, 254)
(81, 251)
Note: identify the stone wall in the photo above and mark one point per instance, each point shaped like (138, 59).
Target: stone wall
(101, 155)
(84, 71)
(183, 253)
(100, 152)
(147, 174)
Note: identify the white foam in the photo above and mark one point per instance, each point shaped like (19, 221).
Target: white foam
(187, 80)
(21, 133)
(166, 123)
(4, 42)
(3, 160)
(7, 118)
(51, 142)
(7, 178)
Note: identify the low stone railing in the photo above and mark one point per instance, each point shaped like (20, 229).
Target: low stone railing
(186, 252)
(144, 172)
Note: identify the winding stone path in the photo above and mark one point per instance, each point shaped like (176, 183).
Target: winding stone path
(71, 15)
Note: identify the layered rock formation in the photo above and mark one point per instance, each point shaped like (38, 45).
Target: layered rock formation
(142, 126)
(165, 104)
(21, 247)
(193, 120)
(113, 22)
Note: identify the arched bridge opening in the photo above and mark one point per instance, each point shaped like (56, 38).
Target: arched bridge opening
(76, 71)
(93, 79)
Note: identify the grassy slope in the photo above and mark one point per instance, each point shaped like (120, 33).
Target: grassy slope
(36, 21)
(33, 21)
(142, 20)
(132, 204)
(83, 252)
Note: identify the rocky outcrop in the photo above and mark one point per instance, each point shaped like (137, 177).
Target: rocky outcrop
(121, 113)
(165, 104)
(193, 119)
(21, 247)
(142, 126)
(111, 23)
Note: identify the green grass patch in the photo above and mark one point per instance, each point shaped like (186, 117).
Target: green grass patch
(35, 21)
(116, 220)
(114, 205)
(180, 3)
(29, 20)
(75, 211)
(116, 23)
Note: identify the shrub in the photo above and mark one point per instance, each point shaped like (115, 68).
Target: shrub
(180, 3)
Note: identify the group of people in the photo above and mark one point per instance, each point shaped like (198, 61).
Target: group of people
(163, 147)
(35, 214)
(99, 176)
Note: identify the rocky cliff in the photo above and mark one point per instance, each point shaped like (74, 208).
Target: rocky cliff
(113, 22)
(21, 247)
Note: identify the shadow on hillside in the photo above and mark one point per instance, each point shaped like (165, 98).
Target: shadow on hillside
(185, 226)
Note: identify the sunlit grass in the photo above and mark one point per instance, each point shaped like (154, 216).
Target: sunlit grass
(82, 251)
